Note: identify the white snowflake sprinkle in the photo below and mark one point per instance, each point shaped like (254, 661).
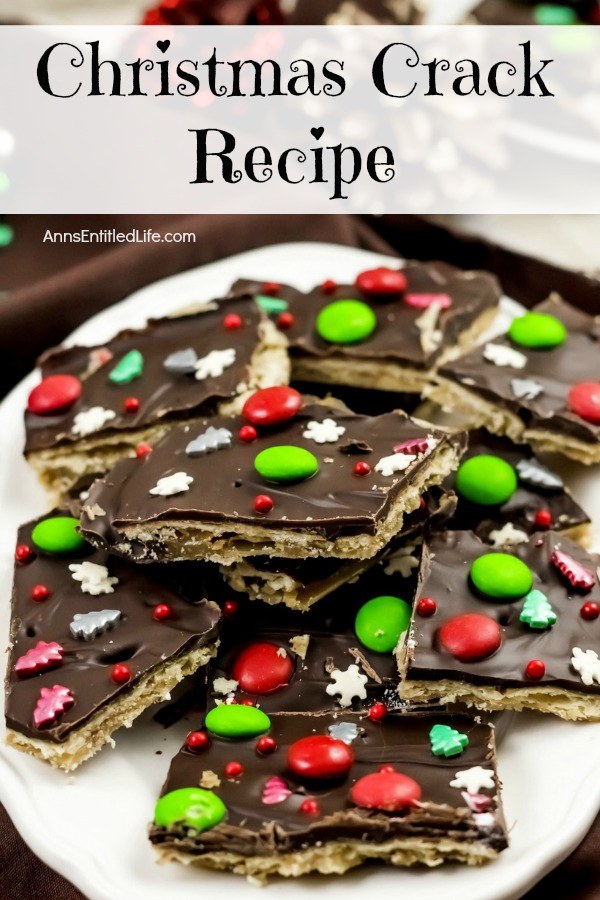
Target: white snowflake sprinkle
(397, 462)
(326, 432)
(214, 363)
(507, 536)
(402, 561)
(94, 578)
(474, 780)
(347, 684)
(586, 662)
(93, 419)
(176, 483)
(344, 731)
(500, 355)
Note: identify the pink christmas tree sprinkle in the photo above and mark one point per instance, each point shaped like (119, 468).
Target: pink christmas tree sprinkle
(275, 790)
(424, 301)
(41, 657)
(414, 447)
(576, 574)
(478, 803)
(51, 704)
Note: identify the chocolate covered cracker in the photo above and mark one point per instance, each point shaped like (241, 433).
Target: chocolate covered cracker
(94, 642)
(389, 330)
(517, 629)
(283, 479)
(539, 384)
(96, 405)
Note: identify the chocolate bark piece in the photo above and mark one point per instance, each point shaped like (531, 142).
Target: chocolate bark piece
(94, 612)
(408, 341)
(208, 511)
(538, 489)
(529, 403)
(300, 583)
(526, 12)
(71, 444)
(266, 829)
(564, 634)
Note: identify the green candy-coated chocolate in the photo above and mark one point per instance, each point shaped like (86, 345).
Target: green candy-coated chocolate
(381, 621)
(58, 534)
(129, 367)
(346, 322)
(271, 305)
(191, 807)
(236, 721)
(538, 331)
(501, 576)
(286, 463)
(554, 14)
(486, 480)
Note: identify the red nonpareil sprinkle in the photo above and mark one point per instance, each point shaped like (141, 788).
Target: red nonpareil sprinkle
(329, 286)
(266, 745)
(23, 553)
(246, 702)
(131, 405)
(543, 518)
(120, 674)
(310, 807)
(232, 322)
(233, 769)
(197, 740)
(589, 611)
(426, 607)
(230, 608)
(39, 593)
(271, 288)
(378, 712)
(263, 503)
(247, 434)
(161, 612)
(142, 450)
(361, 468)
(535, 669)
(284, 321)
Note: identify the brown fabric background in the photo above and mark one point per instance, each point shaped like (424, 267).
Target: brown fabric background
(52, 288)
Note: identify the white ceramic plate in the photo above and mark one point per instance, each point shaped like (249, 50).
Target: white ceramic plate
(91, 826)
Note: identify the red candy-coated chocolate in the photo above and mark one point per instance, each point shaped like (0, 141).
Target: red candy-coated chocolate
(39, 593)
(266, 745)
(230, 608)
(470, 637)
(284, 321)
(543, 518)
(247, 434)
(263, 503)
(382, 281)
(233, 769)
(589, 611)
(54, 394)
(142, 450)
(361, 468)
(197, 740)
(584, 400)
(131, 405)
(23, 553)
(161, 612)
(378, 712)
(320, 756)
(310, 807)
(262, 668)
(535, 669)
(329, 286)
(426, 607)
(272, 405)
(271, 288)
(385, 789)
(120, 673)
(232, 322)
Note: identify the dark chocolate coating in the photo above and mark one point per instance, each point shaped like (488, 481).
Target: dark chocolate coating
(520, 509)
(333, 502)
(396, 337)
(557, 370)
(162, 395)
(253, 828)
(340, 12)
(139, 641)
(444, 577)
(520, 12)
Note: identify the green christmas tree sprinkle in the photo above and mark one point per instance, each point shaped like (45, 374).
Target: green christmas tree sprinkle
(447, 741)
(537, 612)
